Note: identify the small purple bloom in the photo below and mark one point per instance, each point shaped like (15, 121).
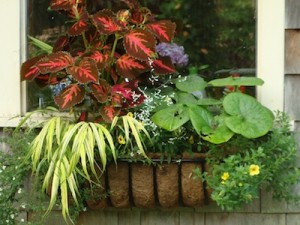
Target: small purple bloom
(175, 52)
(57, 88)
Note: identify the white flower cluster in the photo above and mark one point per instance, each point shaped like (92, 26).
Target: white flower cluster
(145, 113)
(2, 169)
(150, 103)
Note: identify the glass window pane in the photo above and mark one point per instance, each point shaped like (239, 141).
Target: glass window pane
(216, 34)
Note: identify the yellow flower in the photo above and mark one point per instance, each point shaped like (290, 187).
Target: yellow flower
(130, 114)
(121, 140)
(253, 170)
(191, 139)
(225, 176)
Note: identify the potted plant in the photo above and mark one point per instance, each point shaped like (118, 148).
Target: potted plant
(95, 72)
(114, 72)
(245, 146)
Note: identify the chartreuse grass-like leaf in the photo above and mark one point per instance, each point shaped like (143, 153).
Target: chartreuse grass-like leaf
(100, 143)
(247, 116)
(67, 148)
(130, 126)
(135, 132)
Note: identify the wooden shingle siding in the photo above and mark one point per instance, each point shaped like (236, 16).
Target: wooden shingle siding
(291, 96)
(293, 219)
(292, 51)
(292, 14)
(245, 219)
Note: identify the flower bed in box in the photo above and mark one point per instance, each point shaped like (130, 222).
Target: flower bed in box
(115, 72)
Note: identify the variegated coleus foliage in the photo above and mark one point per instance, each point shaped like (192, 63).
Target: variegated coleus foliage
(104, 55)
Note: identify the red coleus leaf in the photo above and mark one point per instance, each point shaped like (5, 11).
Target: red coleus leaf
(163, 66)
(70, 96)
(85, 72)
(130, 92)
(129, 67)
(29, 70)
(141, 15)
(132, 4)
(101, 91)
(60, 44)
(117, 100)
(114, 75)
(140, 44)
(164, 30)
(62, 4)
(83, 117)
(123, 17)
(54, 62)
(101, 59)
(44, 80)
(80, 26)
(79, 11)
(105, 21)
(109, 112)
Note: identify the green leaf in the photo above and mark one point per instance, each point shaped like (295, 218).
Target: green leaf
(185, 98)
(100, 143)
(41, 45)
(190, 83)
(200, 118)
(135, 132)
(171, 118)
(236, 81)
(247, 116)
(109, 139)
(208, 101)
(219, 133)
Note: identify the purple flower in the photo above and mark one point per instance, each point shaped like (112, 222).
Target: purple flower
(57, 88)
(175, 52)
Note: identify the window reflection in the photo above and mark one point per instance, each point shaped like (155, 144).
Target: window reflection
(216, 34)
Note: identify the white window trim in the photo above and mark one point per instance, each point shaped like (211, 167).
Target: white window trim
(13, 50)
(270, 52)
(270, 57)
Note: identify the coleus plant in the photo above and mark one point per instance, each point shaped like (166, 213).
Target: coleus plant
(102, 57)
(99, 63)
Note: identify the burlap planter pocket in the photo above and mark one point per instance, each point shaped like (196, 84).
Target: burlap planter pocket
(167, 182)
(97, 196)
(142, 185)
(118, 184)
(192, 189)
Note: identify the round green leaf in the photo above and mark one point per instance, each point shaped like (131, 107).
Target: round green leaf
(171, 118)
(236, 81)
(220, 132)
(186, 98)
(247, 116)
(200, 118)
(208, 101)
(190, 83)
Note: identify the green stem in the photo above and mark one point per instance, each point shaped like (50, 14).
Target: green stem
(114, 46)
(84, 40)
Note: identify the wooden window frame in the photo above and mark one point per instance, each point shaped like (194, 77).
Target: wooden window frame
(13, 100)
